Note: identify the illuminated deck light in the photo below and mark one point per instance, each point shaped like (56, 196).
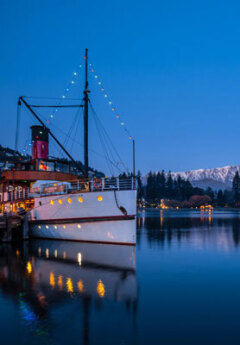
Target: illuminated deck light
(79, 226)
(51, 202)
(69, 200)
(80, 199)
(39, 227)
(60, 201)
(100, 198)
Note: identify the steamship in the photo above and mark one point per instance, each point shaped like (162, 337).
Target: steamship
(66, 204)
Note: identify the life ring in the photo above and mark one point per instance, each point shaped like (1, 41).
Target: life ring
(97, 183)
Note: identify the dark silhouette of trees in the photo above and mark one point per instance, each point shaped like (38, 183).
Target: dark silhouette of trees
(161, 187)
(221, 200)
(140, 186)
(236, 188)
(169, 185)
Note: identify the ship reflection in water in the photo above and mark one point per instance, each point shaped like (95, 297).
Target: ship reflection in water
(72, 279)
(184, 288)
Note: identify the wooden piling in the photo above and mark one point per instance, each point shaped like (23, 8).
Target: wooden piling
(10, 222)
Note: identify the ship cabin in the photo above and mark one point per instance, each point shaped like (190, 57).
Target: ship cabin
(18, 184)
(42, 176)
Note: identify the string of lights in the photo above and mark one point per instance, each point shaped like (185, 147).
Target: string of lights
(65, 94)
(53, 113)
(109, 101)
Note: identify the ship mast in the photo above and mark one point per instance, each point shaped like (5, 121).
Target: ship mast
(86, 100)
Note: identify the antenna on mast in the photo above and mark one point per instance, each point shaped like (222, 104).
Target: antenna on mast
(86, 100)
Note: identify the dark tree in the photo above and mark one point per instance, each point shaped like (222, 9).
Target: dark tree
(169, 186)
(236, 188)
(140, 186)
(221, 201)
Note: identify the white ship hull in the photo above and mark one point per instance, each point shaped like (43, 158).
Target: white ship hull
(104, 216)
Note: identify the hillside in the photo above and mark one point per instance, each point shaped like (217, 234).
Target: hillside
(216, 178)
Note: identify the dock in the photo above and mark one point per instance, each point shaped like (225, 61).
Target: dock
(13, 226)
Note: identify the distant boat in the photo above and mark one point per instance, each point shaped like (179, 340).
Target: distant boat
(60, 203)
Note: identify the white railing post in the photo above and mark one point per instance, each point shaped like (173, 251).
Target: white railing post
(103, 183)
(118, 183)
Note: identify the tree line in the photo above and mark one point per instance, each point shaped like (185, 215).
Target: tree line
(180, 192)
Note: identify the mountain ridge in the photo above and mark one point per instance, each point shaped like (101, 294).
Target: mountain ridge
(216, 178)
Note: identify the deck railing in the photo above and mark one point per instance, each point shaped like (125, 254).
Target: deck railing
(93, 185)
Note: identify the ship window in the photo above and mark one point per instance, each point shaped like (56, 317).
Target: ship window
(69, 200)
(52, 202)
(39, 226)
(99, 198)
(40, 203)
(60, 201)
(79, 226)
(80, 199)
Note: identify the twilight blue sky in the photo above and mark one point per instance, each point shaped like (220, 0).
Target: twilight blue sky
(172, 69)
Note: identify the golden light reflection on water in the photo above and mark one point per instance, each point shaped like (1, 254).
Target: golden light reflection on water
(100, 289)
(60, 282)
(69, 285)
(79, 259)
(80, 286)
(29, 267)
(161, 218)
(52, 279)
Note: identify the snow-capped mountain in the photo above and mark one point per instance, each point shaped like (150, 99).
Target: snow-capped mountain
(216, 178)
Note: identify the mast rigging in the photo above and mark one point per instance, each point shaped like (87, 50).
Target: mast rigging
(22, 100)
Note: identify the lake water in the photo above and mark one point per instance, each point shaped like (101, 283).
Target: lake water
(180, 285)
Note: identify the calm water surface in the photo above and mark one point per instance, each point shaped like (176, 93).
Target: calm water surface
(180, 285)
